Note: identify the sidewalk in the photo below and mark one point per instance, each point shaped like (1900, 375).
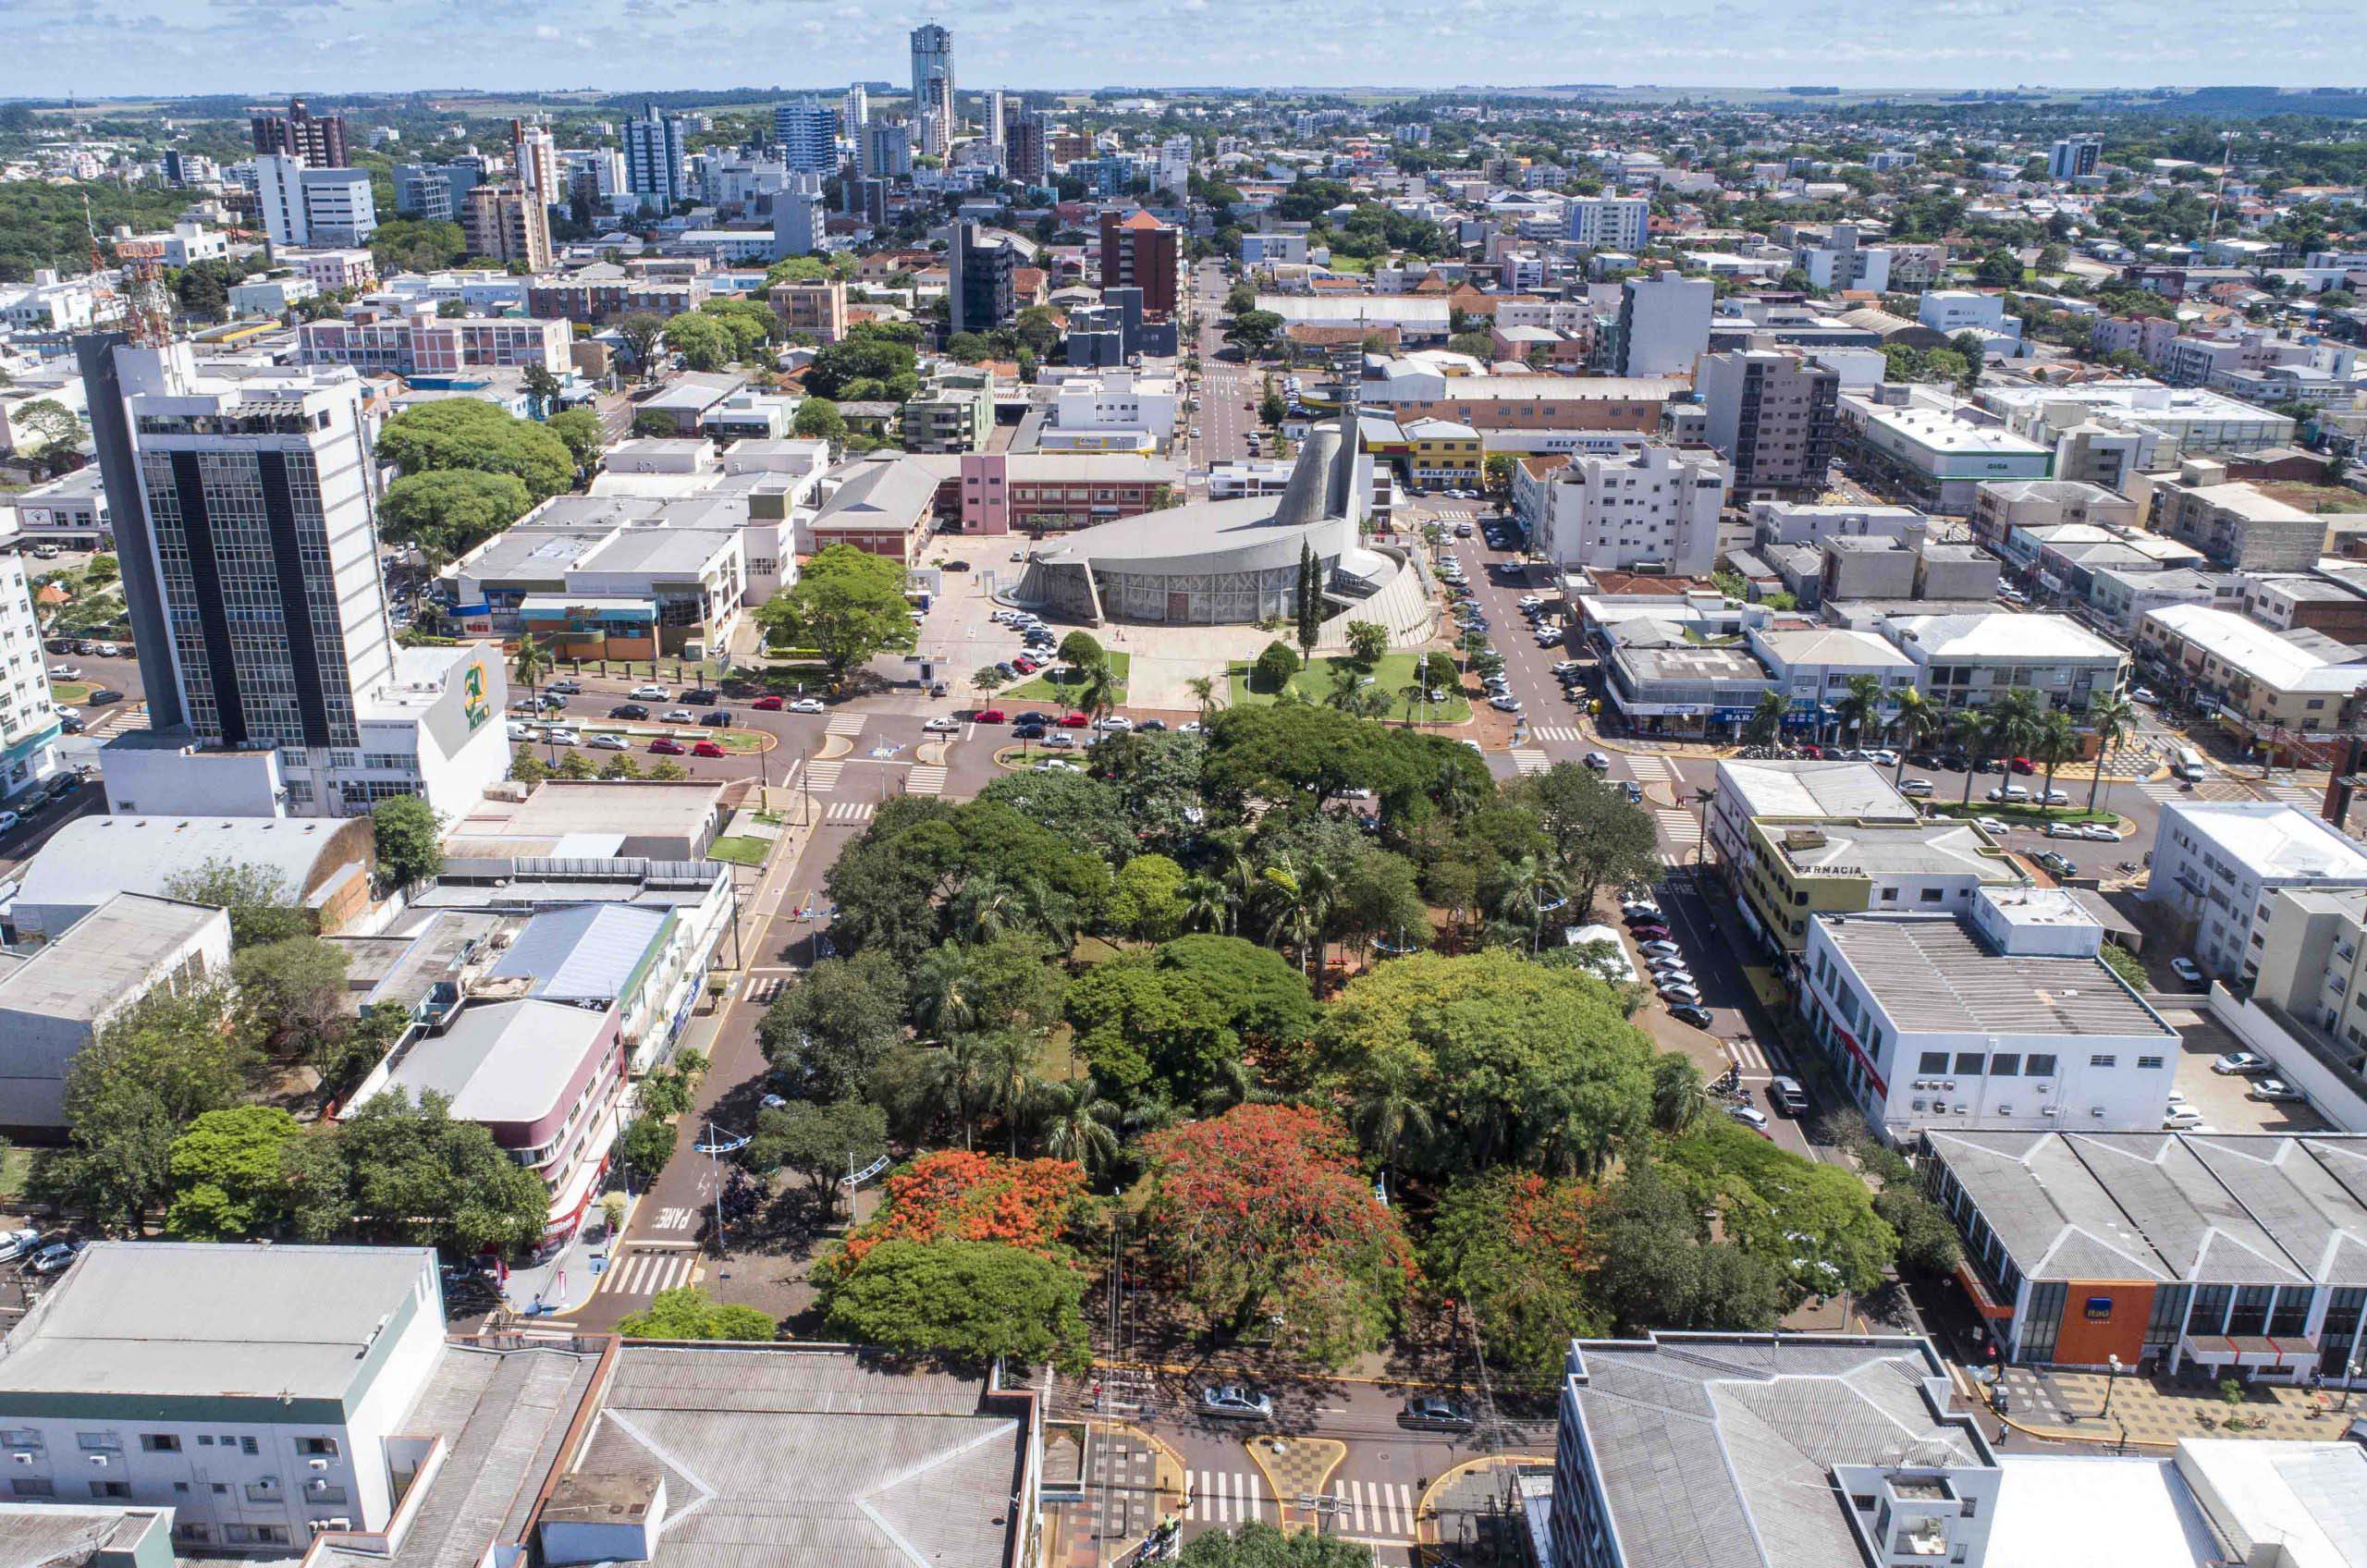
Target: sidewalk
(2147, 1413)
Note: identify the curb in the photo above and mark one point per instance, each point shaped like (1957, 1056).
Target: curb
(1259, 1457)
(1425, 1512)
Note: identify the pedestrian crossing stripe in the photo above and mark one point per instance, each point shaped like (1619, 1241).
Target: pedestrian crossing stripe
(850, 811)
(927, 779)
(1679, 825)
(1227, 1497)
(824, 776)
(846, 724)
(647, 1273)
(1384, 1509)
(1554, 732)
(1649, 768)
(1528, 761)
(764, 990)
(1751, 1055)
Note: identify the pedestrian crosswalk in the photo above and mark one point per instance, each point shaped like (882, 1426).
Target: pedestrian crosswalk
(823, 776)
(1649, 768)
(764, 990)
(130, 715)
(926, 779)
(1528, 761)
(2209, 790)
(1373, 1509)
(647, 1273)
(1751, 1055)
(2296, 794)
(1682, 830)
(847, 724)
(1555, 732)
(849, 812)
(1229, 1497)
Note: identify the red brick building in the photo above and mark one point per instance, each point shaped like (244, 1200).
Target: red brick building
(1139, 250)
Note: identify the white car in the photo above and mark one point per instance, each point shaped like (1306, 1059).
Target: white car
(559, 737)
(2275, 1089)
(2184, 968)
(1054, 765)
(2143, 694)
(66, 672)
(1749, 1114)
(2100, 833)
(1504, 703)
(1596, 761)
(1116, 721)
(1993, 824)
(8, 820)
(2008, 793)
(1525, 600)
(942, 725)
(1917, 787)
(803, 705)
(610, 744)
(520, 731)
(679, 716)
(648, 692)
(1661, 948)
(2053, 798)
(2236, 1064)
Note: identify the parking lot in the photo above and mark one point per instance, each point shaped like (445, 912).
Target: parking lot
(2224, 1100)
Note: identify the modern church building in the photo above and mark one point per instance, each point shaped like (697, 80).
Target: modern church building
(1237, 562)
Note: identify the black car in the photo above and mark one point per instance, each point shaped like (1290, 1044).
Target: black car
(1685, 1012)
(59, 645)
(1429, 1412)
(629, 710)
(63, 786)
(701, 696)
(720, 720)
(1032, 717)
(102, 696)
(1008, 671)
(1028, 731)
(71, 724)
(554, 701)
(1151, 726)
(957, 566)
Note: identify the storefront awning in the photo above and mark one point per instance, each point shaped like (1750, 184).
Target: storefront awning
(2250, 1350)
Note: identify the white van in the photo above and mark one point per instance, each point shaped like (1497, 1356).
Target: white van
(2188, 764)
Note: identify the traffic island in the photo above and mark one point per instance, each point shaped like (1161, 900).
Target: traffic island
(1463, 1508)
(1295, 1469)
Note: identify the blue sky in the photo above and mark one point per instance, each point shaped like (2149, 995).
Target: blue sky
(101, 47)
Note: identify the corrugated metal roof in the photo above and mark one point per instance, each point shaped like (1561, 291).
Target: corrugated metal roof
(588, 951)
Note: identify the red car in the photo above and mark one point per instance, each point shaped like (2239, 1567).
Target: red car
(709, 749)
(1073, 721)
(992, 715)
(2022, 764)
(767, 704)
(668, 748)
(1025, 664)
(1811, 749)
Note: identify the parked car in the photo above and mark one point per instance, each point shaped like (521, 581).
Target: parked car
(1918, 788)
(943, 725)
(1152, 726)
(2057, 863)
(709, 749)
(990, 715)
(1232, 1401)
(1432, 1412)
(1027, 732)
(2098, 832)
(54, 1258)
(651, 691)
(2067, 830)
(566, 687)
(560, 735)
(2181, 1119)
(1686, 1012)
(2185, 970)
(1073, 721)
(700, 696)
(610, 744)
(720, 720)
(520, 731)
(110, 650)
(8, 820)
(770, 703)
(1993, 824)
(2053, 798)
(1787, 1095)
(2275, 1089)
(2022, 764)
(16, 1243)
(1749, 1114)
(1505, 703)
(1680, 991)
(807, 704)
(665, 746)
(2239, 1064)
(629, 710)
(680, 716)
(1661, 945)
(1116, 723)
(66, 672)
(2143, 694)
(1059, 740)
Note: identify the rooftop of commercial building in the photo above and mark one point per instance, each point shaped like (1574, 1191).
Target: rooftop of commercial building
(591, 950)
(104, 958)
(499, 1062)
(48, 1534)
(1931, 974)
(1686, 662)
(2257, 651)
(1717, 1449)
(2273, 840)
(91, 859)
(1830, 645)
(2257, 1208)
(176, 1318)
(1842, 849)
(1855, 791)
(2000, 635)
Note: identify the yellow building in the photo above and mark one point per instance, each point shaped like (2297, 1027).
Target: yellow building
(1443, 452)
(1797, 868)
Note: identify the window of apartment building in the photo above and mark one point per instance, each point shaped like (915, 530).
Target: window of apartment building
(2149, 1062)
(159, 1442)
(1969, 1063)
(246, 1445)
(20, 1438)
(1929, 895)
(197, 1534)
(110, 1488)
(33, 1485)
(1932, 1062)
(2104, 1060)
(98, 1442)
(2039, 1065)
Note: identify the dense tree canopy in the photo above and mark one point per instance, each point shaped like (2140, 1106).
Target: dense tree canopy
(1511, 1247)
(468, 432)
(1181, 1015)
(847, 605)
(687, 1312)
(967, 1302)
(450, 511)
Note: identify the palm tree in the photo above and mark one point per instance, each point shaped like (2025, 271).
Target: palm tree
(1915, 720)
(1006, 1074)
(1073, 1121)
(2112, 719)
(1208, 906)
(1454, 791)
(959, 1069)
(1387, 1111)
(941, 1002)
(1973, 732)
(1535, 886)
(1766, 721)
(1860, 706)
(2017, 721)
(1204, 693)
(2058, 742)
(1100, 691)
(532, 664)
(984, 908)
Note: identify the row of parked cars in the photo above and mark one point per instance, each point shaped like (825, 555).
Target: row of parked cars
(1424, 1413)
(1671, 976)
(36, 1253)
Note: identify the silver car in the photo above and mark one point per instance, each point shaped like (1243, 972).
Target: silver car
(1232, 1401)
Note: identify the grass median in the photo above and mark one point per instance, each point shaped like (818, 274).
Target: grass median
(1315, 678)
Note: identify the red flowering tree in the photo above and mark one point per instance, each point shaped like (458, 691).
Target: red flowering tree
(1511, 1248)
(1266, 1216)
(955, 1195)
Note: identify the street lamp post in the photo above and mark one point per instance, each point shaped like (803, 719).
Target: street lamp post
(2111, 1378)
(2349, 1380)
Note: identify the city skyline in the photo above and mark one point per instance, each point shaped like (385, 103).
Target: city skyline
(243, 46)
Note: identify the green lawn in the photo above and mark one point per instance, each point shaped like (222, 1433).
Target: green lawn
(739, 851)
(1052, 685)
(2011, 812)
(70, 690)
(1314, 682)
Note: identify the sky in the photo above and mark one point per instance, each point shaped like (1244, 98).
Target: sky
(99, 48)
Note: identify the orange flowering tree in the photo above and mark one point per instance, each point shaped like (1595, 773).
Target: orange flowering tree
(1265, 1214)
(1512, 1248)
(955, 1195)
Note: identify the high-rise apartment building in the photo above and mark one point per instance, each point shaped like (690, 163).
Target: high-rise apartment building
(855, 111)
(316, 141)
(308, 206)
(656, 148)
(1610, 223)
(808, 135)
(998, 119)
(978, 279)
(798, 222)
(933, 90)
(1663, 324)
(29, 727)
(535, 151)
(1773, 413)
(1174, 168)
(508, 223)
(885, 150)
(1139, 251)
(2074, 156)
(1652, 508)
(1026, 156)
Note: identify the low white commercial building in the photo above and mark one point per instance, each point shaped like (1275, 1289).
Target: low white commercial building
(258, 1391)
(1116, 411)
(1968, 660)
(1813, 668)
(1655, 509)
(2215, 864)
(1938, 450)
(1855, 791)
(2000, 1017)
